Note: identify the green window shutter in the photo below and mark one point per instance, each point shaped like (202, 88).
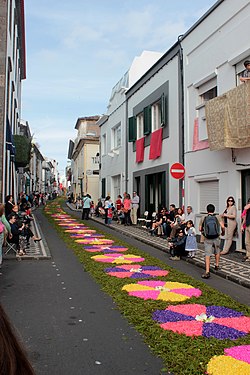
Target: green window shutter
(132, 129)
(164, 110)
(147, 120)
(103, 187)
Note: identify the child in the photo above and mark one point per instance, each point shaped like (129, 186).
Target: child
(110, 215)
(191, 243)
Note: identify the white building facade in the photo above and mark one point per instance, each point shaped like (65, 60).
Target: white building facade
(113, 129)
(155, 133)
(214, 50)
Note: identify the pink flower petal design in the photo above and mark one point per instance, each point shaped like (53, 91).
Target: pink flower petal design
(242, 353)
(152, 283)
(188, 328)
(145, 294)
(241, 323)
(191, 310)
(188, 292)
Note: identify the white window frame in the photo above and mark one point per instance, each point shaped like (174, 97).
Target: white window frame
(156, 115)
(104, 144)
(206, 92)
(117, 136)
(140, 126)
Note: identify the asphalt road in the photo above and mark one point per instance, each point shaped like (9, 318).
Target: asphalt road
(68, 325)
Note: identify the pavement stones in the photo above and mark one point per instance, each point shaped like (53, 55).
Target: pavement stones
(231, 266)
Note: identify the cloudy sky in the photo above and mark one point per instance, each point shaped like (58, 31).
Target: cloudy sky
(77, 50)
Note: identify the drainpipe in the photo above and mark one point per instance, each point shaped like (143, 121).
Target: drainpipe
(126, 145)
(181, 121)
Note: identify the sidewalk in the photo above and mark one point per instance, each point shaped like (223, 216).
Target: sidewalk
(37, 250)
(231, 266)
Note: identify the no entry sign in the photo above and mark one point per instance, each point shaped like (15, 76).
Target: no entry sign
(177, 171)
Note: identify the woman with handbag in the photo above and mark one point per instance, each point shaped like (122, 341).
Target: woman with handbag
(230, 224)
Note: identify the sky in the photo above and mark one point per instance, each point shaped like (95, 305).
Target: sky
(77, 50)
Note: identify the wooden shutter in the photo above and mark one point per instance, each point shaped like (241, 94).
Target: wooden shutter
(103, 187)
(132, 129)
(164, 110)
(147, 120)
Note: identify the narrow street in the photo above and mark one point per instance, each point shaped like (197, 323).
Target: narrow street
(68, 324)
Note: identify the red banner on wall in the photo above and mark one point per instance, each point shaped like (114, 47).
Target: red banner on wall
(155, 144)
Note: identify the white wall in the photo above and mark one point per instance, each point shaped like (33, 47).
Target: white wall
(213, 49)
(170, 146)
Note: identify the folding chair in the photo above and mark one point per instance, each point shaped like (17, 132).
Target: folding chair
(141, 220)
(10, 246)
(149, 221)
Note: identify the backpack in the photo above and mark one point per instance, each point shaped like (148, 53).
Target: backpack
(211, 227)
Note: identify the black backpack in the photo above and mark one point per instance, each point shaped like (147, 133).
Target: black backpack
(211, 227)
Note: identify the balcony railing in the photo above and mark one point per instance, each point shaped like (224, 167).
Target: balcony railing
(228, 119)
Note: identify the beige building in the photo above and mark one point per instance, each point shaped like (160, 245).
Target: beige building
(84, 156)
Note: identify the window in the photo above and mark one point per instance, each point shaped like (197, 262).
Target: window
(209, 193)
(104, 144)
(117, 136)
(208, 95)
(156, 115)
(96, 159)
(139, 124)
(206, 92)
(239, 68)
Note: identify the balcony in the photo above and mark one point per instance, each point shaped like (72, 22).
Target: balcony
(228, 119)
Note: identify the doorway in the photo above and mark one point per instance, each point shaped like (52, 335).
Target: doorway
(155, 191)
(245, 193)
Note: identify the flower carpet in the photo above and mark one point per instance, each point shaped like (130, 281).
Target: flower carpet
(198, 320)
(80, 230)
(105, 249)
(135, 271)
(94, 241)
(162, 290)
(236, 361)
(195, 332)
(117, 258)
(84, 235)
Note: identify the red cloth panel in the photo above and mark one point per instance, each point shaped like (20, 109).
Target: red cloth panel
(155, 144)
(140, 150)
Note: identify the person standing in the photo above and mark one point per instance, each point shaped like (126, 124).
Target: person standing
(245, 75)
(246, 226)
(230, 223)
(86, 207)
(107, 205)
(135, 205)
(127, 209)
(191, 243)
(211, 226)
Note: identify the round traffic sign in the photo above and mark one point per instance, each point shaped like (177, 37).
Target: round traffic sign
(177, 171)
